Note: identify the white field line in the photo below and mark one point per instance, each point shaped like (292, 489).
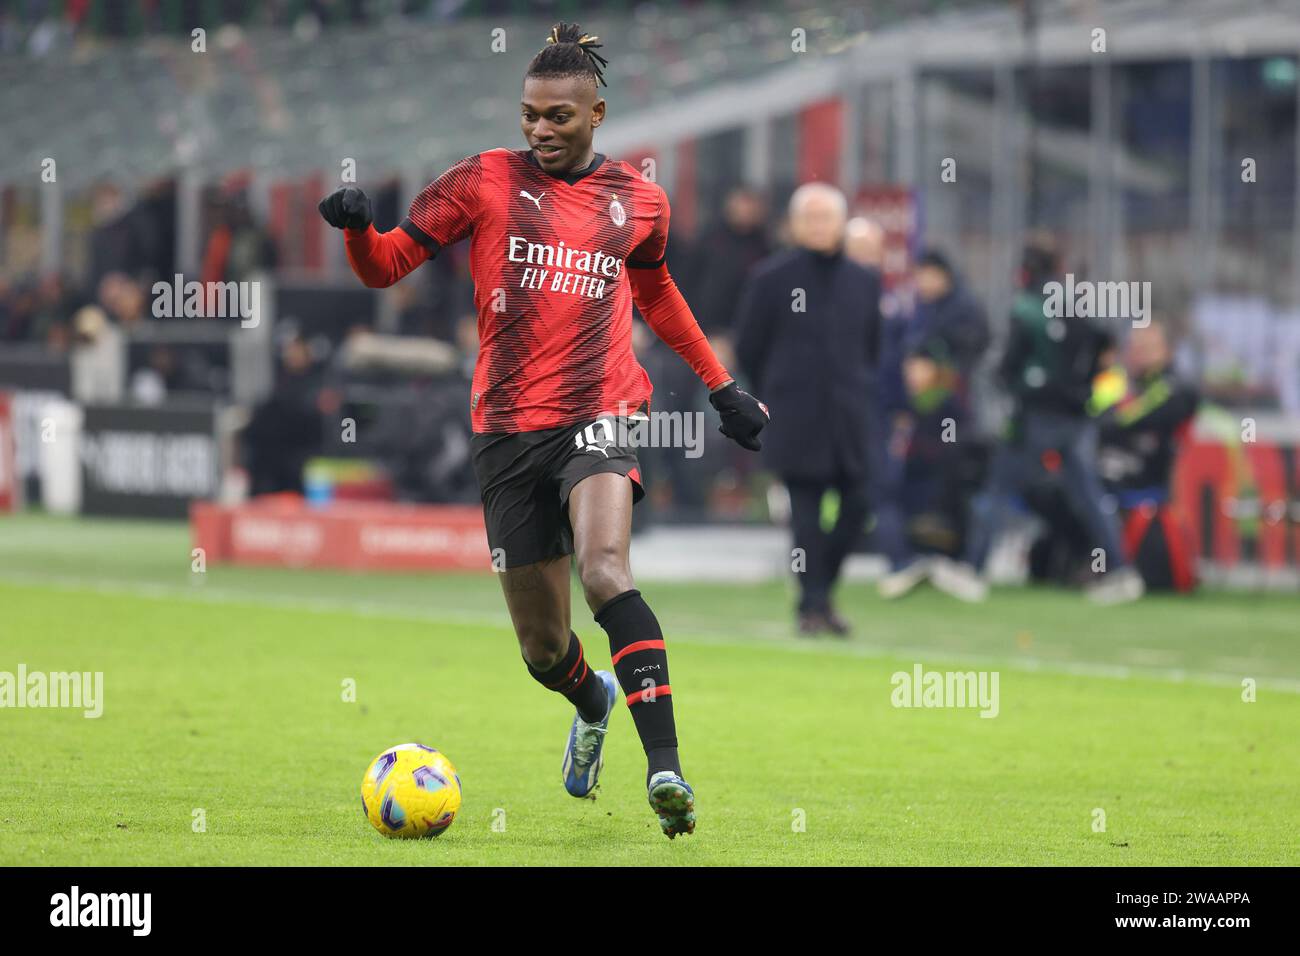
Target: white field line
(775, 635)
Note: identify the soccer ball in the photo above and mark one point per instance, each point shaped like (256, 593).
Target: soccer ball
(410, 791)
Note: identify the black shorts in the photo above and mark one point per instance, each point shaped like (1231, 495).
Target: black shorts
(525, 479)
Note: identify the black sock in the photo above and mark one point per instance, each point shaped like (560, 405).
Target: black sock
(576, 681)
(636, 645)
(661, 758)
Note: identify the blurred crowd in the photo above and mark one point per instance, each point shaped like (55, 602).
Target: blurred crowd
(128, 246)
(873, 395)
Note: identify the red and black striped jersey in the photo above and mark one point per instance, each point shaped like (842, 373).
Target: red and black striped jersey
(549, 256)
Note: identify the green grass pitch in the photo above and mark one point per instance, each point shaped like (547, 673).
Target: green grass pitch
(224, 693)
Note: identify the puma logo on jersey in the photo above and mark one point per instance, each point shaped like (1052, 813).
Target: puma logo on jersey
(537, 200)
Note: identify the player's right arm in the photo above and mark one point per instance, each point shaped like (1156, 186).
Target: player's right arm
(443, 213)
(378, 259)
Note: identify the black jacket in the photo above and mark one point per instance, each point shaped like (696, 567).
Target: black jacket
(813, 368)
(724, 258)
(1049, 363)
(1140, 436)
(952, 330)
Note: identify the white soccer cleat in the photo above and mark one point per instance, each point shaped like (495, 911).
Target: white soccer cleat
(897, 583)
(959, 580)
(1118, 587)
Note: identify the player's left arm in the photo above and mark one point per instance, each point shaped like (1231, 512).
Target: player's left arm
(665, 310)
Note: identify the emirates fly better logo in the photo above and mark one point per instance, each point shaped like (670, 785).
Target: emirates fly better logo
(562, 268)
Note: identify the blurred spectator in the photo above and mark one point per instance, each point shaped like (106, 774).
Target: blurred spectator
(950, 332)
(287, 428)
(1049, 367)
(123, 299)
(807, 336)
(728, 252)
(864, 242)
(98, 358)
(29, 310)
(160, 376)
(155, 213)
(137, 240)
(943, 343)
(1140, 438)
(929, 451)
(1140, 434)
(238, 247)
(115, 241)
(55, 302)
(1145, 415)
(17, 308)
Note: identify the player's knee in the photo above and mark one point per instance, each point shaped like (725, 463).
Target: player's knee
(542, 644)
(605, 574)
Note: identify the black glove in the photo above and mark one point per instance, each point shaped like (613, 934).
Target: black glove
(346, 208)
(743, 416)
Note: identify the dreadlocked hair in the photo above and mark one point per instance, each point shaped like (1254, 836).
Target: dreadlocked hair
(569, 52)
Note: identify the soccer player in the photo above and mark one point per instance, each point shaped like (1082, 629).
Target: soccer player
(563, 241)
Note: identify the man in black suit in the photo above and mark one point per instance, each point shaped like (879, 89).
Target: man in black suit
(807, 335)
